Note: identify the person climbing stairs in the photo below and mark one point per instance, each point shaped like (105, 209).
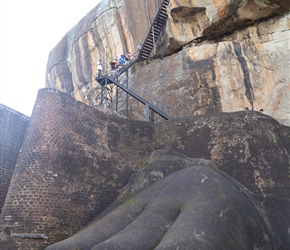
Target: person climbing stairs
(144, 52)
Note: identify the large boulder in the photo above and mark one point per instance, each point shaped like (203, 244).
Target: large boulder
(217, 55)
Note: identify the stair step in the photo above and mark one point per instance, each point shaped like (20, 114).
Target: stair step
(147, 45)
(149, 40)
(148, 48)
(158, 26)
(155, 30)
(164, 15)
(159, 22)
(147, 51)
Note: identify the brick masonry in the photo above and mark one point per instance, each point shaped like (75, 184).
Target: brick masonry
(75, 159)
(13, 126)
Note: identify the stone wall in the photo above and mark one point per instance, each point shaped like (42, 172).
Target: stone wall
(73, 162)
(12, 131)
(251, 147)
(75, 159)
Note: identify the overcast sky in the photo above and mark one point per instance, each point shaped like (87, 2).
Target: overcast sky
(29, 30)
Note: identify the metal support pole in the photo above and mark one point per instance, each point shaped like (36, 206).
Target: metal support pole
(117, 94)
(105, 92)
(147, 112)
(127, 95)
(103, 95)
(153, 39)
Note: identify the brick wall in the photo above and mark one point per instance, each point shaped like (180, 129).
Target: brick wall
(74, 160)
(12, 130)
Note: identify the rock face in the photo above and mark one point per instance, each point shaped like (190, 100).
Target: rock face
(217, 55)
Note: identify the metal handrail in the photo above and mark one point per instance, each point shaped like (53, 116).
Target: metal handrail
(166, 108)
(139, 92)
(156, 101)
(152, 22)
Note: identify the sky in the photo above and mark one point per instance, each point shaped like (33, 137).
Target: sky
(29, 30)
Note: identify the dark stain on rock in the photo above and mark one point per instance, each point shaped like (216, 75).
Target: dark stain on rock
(183, 14)
(203, 85)
(247, 82)
(233, 7)
(66, 76)
(79, 69)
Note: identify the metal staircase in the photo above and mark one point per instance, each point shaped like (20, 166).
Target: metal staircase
(151, 38)
(154, 32)
(104, 90)
(108, 80)
(120, 71)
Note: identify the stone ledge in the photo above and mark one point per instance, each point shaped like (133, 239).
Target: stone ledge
(30, 236)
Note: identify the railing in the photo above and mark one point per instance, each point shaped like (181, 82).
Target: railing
(105, 81)
(136, 54)
(143, 54)
(158, 23)
(154, 100)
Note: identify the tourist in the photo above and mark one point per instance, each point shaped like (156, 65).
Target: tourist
(121, 60)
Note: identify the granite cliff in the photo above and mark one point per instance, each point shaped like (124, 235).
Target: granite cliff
(218, 56)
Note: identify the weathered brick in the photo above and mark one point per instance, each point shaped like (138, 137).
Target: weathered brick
(75, 159)
(13, 126)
